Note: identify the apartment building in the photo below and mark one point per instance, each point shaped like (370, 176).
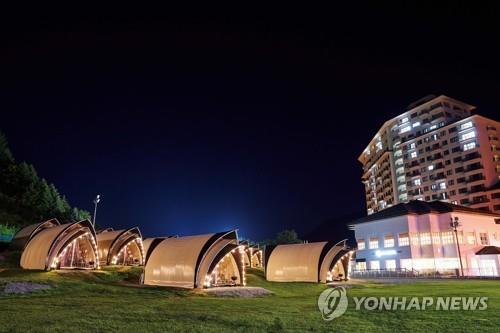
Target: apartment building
(436, 150)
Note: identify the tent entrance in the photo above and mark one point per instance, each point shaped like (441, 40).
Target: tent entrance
(78, 253)
(130, 254)
(337, 273)
(225, 273)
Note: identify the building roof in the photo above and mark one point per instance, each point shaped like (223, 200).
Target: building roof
(489, 250)
(418, 207)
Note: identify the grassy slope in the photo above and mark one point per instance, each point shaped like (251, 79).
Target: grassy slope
(102, 302)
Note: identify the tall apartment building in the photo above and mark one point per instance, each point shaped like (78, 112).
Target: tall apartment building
(435, 150)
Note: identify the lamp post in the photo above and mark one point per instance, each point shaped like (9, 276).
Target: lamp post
(96, 201)
(454, 224)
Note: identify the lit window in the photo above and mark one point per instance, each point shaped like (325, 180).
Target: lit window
(466, 125)
(430, 167)
(425, 238)
(468, 135)
(483, 237)
(469, 146)
(406, 264)
(374, 243)
(389, 241)
(390, 264)
(442, 186)
(417, 182)
(374, 264)
(404, 120)
(379, 146)
(416, 124)
(413, 154)
(414, 239)
(361, 266)
(405, 129)
(412, 145)
(403, 239)
(361, 244)
(447, 237)
(471, 238)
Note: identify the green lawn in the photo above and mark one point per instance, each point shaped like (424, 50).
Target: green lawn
(109, 302)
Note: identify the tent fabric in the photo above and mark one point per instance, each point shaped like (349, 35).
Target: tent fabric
(184, 261)
(46, 245)
(23, 236)
(307, 262)
(294, 262)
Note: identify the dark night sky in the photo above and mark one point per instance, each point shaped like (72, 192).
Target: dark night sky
(186, 124)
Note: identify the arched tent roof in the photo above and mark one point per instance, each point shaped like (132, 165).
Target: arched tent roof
(43, 249)
(185, 261)
(23, 236)
(150, 243)
(308, 262)
(110, 242)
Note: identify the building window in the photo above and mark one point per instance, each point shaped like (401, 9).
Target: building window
(468, 135)
(469, 146)
(430, 167)
(447, 237)
(374, 243)
(361, 266)
(405, 129)
(413, 154)
(403, 239)
(417, 182)
(389, 241)
(406, 264)
(471, 238)
(390, 264)
(361, 244)
(425, 238)
(466, 125)
(416, 124)
(442, 186)
(374, 264)
(483, 237)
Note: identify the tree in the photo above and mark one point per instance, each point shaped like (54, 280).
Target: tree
(283, 237)
(287, 237)
(5, 154)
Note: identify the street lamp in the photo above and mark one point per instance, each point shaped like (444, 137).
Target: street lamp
(454, 224)
(96, 201)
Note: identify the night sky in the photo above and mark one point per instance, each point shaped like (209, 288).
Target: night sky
(188, 124)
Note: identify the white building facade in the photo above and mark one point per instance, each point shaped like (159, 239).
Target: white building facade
(417, 237)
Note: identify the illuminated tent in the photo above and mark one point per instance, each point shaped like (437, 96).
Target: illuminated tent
(195, 261)
(23, 236)
(70, 245)
(308, 262)
(120, 247)
(253, 255)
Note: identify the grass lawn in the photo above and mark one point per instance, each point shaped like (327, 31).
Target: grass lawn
(106, 302)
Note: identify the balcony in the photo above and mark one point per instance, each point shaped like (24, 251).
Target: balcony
(471, 156)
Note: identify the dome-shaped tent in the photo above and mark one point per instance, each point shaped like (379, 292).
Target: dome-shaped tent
(120, 247)
(307, 262)
(70, 245)
(195, 261)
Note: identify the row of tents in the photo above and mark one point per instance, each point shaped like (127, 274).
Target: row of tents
(198, 261)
